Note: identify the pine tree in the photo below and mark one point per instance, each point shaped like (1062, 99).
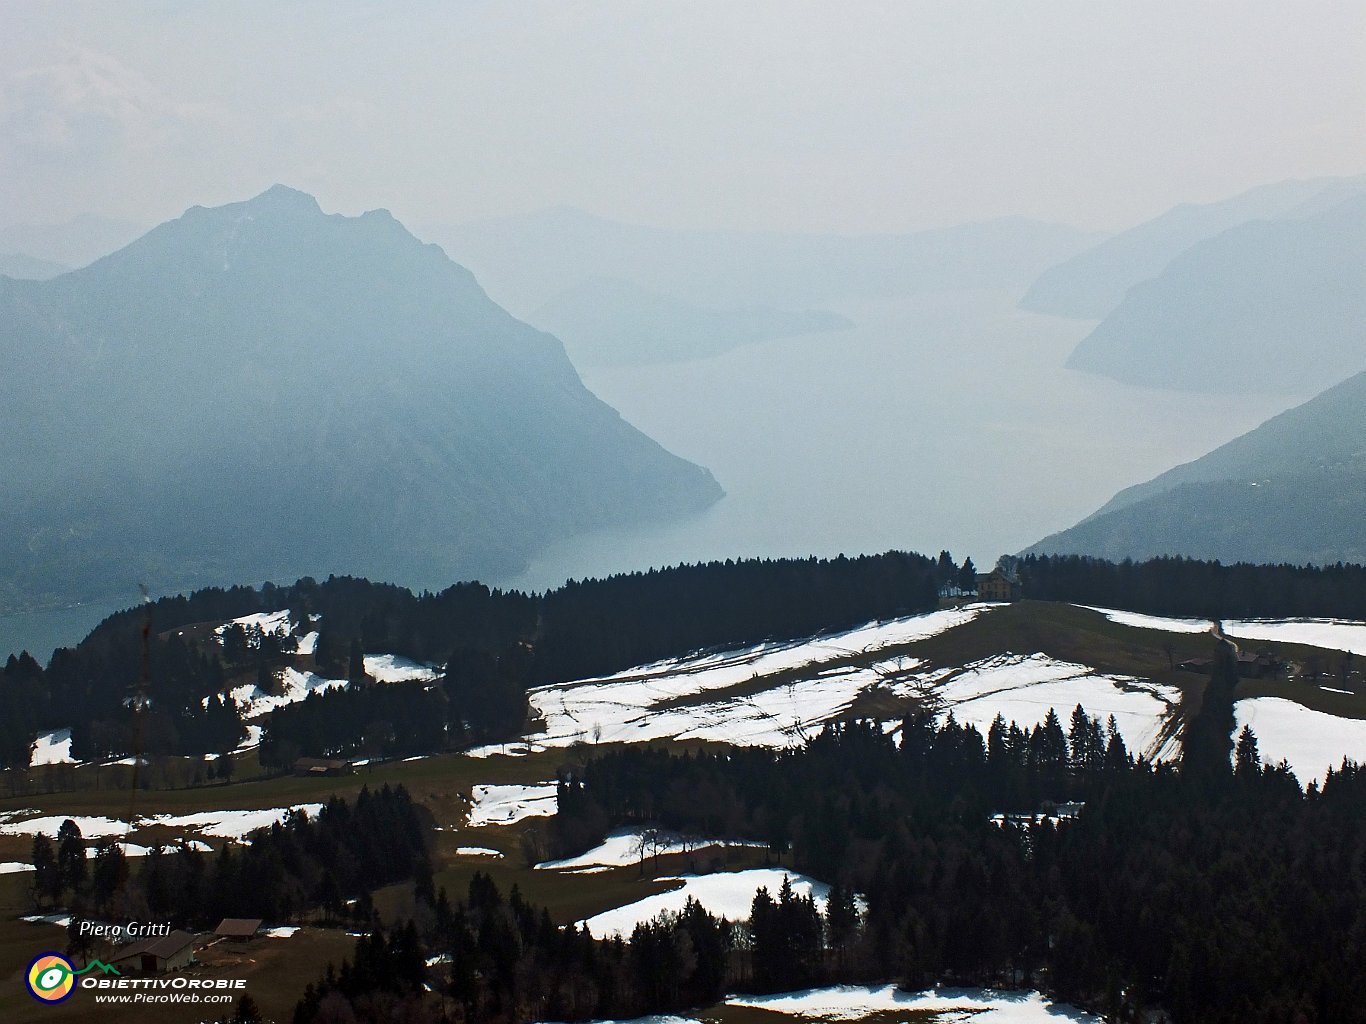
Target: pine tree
(70, 855)
(47, 877)
(1247, 761)
(355, 663)
(967, 577)
(247, 1011)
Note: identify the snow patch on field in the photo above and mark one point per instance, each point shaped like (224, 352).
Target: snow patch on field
(92, 826)
(624, 847)
(505, 805)
(1023, 689)
(294, 686)
(728, 894)
(477, 851)
(60, 920)
(792, 688)
(129, 850)
(1329, 634)
(52, 748)
(266, 622)
(224, 824)
(283, 932)
(1309, 741)
(228, 824)
(394, 668)
(855, 1002)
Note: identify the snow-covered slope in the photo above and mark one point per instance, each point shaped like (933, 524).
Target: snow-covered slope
(771, 694)
(1309, 741)
(777, 694)
(728, 894)
(1024, 689)
(506, 805)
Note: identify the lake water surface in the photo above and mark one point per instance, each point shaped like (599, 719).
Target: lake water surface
(945, 421)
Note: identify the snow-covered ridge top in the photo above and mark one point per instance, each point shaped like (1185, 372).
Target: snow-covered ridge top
(788, 689)
(778, 694)
(716, 670)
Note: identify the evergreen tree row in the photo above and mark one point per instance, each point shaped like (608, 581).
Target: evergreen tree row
(301, 865)
(1188, 587)
(503, 961)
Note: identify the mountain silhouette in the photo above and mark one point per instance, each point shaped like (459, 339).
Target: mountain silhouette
(261, 389)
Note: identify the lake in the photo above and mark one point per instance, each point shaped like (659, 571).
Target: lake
(941, 421)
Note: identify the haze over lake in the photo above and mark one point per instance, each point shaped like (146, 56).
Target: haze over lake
(947, 420)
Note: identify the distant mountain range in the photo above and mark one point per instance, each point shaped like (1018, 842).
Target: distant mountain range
(1270, 306)
(74, 243)
(261, 389)
(29, 268)
(525, 261)
(1290, 491)
(607, 320)
(1092, 283)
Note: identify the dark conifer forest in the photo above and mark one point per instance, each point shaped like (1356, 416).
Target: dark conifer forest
(1220, 896)
(1198, 589)
(300, 866)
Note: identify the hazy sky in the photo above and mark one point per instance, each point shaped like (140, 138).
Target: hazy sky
(844, 116)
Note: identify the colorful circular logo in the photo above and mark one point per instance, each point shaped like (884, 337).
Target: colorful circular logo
(51, 978)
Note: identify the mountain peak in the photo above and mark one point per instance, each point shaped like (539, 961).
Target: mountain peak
(280, 195)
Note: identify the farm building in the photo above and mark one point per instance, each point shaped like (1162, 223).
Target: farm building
(158, 955)
(238, 929)
(321, 766)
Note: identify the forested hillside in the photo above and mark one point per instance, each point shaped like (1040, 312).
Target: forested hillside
(486, 647)
(1287, 491)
